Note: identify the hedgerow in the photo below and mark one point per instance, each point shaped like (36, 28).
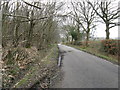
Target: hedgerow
(110, 46)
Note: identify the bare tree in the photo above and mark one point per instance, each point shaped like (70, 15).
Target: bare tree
(108, 13)
(84, 15)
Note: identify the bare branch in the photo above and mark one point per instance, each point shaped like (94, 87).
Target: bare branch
(31, 5)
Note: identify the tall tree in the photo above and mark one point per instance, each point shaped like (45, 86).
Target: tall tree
(108, 12)
(84, 15)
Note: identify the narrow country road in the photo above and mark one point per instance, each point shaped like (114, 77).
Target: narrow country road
(83, 70)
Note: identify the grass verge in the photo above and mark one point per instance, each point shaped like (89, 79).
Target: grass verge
(113, 60)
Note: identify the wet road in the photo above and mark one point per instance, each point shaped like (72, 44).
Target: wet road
(83, 70)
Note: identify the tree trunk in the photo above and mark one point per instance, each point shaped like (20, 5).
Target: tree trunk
(15, 41)
(3, 27)
(0, 24)
(87, 38)
(107, 32)
(30, 34)
(78, 36)
(87, 35)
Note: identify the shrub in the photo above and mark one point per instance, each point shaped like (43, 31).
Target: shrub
(78, 43)
(109, 46)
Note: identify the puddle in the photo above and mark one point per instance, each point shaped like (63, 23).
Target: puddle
(69, 51)
(59, 61)
(61, 55)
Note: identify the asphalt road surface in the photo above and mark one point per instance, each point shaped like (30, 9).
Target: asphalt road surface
(83, 70)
